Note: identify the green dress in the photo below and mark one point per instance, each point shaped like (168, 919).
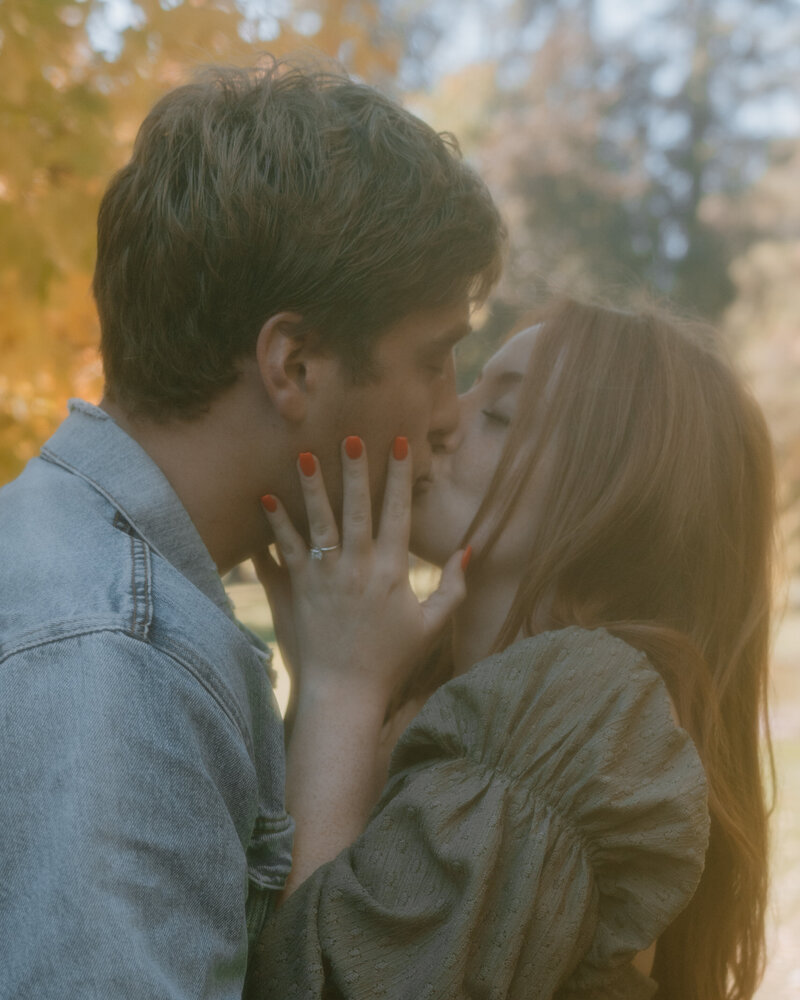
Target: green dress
(544, 820)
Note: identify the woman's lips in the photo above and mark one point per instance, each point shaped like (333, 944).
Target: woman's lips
(422, 485)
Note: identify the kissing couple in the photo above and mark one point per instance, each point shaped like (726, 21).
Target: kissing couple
(541, 781)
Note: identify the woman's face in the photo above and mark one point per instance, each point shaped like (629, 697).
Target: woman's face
(445, 506)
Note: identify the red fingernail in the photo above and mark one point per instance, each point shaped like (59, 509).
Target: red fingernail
(269, 502)
(354, 446)
(400, 448)
(466, 558)
(308, 464)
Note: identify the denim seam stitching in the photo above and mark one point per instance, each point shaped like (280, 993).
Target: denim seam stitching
(134, 589)
(142, 596)
(270, 824)
(38, 640)
(50, 456)
(231, 713)
(148, 578)
(275, 881)
(183, 655)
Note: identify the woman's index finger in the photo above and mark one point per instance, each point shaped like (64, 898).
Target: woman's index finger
(289, 542)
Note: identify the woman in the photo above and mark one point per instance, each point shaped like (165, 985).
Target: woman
(614, 479)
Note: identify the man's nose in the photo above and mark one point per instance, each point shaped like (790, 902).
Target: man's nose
(445, 416)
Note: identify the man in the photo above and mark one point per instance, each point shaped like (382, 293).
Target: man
(287, 259)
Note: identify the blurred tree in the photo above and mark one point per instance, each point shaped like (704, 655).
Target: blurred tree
(57, 147)
(699, 86)
(764, 319)
(609, 143)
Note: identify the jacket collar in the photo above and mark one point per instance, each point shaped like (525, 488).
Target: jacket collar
(91, 445)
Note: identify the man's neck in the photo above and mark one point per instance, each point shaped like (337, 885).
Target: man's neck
(210, 463)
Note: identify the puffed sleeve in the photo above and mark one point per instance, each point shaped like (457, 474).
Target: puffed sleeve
(544, 820)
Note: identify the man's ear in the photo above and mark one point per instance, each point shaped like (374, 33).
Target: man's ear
(281, 356)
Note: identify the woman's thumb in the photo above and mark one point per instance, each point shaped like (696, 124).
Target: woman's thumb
(450, 593)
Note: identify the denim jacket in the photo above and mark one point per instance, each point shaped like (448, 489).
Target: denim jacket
(143, 833)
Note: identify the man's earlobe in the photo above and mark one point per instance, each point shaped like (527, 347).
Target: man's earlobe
(280, 355)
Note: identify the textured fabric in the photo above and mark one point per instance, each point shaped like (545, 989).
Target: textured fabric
(543, 821)
(144, 835)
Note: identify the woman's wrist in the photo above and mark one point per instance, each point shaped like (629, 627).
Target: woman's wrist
(335, 772)
(342, 703)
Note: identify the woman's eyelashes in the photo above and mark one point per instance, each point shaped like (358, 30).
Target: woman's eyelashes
(496, 417)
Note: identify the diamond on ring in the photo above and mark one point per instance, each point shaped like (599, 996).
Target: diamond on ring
(316, 550)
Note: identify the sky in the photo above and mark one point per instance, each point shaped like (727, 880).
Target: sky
(468, 39)
(478, 34)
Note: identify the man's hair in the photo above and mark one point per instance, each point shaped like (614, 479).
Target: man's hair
(253, 192)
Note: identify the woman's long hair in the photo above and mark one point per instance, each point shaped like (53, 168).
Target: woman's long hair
(653, 467)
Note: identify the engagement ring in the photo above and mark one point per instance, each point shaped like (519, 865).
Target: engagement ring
(316, 550)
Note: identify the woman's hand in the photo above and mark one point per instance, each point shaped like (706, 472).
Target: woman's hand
(349, 618)
(358, 629)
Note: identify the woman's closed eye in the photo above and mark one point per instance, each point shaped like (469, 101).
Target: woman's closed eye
(496, 417)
